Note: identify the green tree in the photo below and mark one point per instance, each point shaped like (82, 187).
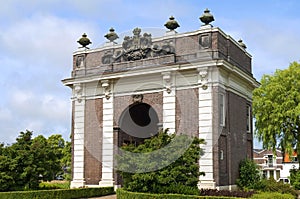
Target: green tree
(249, 177)
(29, 160)
(6, 170)
(25, 173)
(61, 150)
(179, 175)
(66, 159)
(56, 145)
(276, 108)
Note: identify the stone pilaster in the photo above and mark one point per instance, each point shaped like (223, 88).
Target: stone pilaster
(78, 163)
(206, 129)
(108, 139)
(169, 106)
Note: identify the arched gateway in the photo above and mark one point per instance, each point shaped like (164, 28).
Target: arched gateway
(199, 82)
(137, 122)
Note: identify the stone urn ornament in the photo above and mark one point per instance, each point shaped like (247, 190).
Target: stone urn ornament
(241, 43)
(207, 18)
(84, 41)
(111, 36)
(172, 24)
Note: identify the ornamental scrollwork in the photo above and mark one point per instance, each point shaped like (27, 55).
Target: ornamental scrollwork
(138, 47)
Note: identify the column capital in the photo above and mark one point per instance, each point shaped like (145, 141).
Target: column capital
(78, 91)
(167, 78)
(203, 77)
(106, 86)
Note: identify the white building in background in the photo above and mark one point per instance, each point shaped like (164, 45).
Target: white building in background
(275, 165)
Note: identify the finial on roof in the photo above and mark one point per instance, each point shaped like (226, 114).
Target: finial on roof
(242, 44)
(111, 36)
(207, 18)
(172, 24)
(84, 41)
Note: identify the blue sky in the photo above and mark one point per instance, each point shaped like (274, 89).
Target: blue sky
(37, 39)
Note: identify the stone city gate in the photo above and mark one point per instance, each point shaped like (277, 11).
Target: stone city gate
(198, 82)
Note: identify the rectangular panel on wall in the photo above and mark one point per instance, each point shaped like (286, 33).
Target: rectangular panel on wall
(93, 141)
(187, 112)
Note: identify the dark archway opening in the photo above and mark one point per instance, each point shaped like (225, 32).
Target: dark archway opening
(137, 122)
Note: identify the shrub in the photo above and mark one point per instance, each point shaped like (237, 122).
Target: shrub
(167, 173)
(248, 175)
(123, 194)
(295, 178)
(270, 185)
(215, 192)
(58, 194)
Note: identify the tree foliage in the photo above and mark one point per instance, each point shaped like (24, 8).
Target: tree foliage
(178, 176)
(29, 160)
(295, 178)
(276, 108)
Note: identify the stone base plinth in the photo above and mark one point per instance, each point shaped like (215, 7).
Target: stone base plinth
(77, 184)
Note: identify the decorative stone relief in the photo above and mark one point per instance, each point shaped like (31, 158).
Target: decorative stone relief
(138, 47)
(107, 92)
(107, 57)
(203, 75)
(205, 41)
(80, 61)
(138, 98)
(78, 92)
(167, 81)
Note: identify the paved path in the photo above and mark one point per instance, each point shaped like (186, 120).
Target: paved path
(106, 197)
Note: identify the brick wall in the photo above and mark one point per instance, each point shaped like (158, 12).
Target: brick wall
(93, 141)
(239, 138)
(223, 161)
(122, 102)
(200, 46)
(187, 112)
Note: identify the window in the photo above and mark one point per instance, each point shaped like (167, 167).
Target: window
(248, 114)
(294, 159)
(271, 174)
(270, 160)
(221, 110)
(221, 155)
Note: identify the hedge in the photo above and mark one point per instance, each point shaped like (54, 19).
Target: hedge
(122, 194)
(58, 194)
(272, 195)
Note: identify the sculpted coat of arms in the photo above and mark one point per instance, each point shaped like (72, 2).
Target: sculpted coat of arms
(138, 47)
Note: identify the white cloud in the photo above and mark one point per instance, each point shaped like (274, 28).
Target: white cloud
(43, 38)
(36, 53)
(33, 106)
(43, 114)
